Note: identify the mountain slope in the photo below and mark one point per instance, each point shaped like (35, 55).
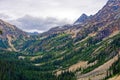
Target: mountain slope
(68, 45)
(10, 34)
(99, 26)
(96, 42)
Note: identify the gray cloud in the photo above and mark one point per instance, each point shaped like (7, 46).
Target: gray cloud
(70, 9)
(46, 13)
(31, 24)
(4, 16)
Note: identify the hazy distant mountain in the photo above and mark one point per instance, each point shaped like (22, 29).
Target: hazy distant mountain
(33, 33)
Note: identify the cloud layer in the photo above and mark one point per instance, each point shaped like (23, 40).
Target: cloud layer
(46, 13)
(61, 9)
(31, 24)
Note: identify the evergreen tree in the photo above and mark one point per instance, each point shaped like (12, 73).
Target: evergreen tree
(0, 31)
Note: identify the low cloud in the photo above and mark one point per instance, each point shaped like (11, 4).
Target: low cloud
(70, 9)
(4, 16)
(31, 24)
(48, 13)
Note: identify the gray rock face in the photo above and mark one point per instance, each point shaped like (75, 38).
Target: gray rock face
(81, 19)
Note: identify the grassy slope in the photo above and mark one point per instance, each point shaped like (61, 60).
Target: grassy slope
(60, 51)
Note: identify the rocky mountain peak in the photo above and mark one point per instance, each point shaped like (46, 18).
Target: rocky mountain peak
(113, 1)
(113, 4)
(83, 15)
(81, 19)
(108, 12)
(9, 29)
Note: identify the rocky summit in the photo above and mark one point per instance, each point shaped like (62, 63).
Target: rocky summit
(82, 19)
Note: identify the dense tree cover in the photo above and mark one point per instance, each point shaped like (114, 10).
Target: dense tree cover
(43, 59)
(3, 44)
(116, 67)
(108, 50)
(11, 68)
(116, 41)
(0, 31)
(66, 76)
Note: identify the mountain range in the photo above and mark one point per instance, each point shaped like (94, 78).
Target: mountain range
(86, 50)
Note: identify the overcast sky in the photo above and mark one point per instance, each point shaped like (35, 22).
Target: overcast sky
(60, 11)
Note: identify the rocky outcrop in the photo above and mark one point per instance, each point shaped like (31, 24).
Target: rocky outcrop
(81, 19)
